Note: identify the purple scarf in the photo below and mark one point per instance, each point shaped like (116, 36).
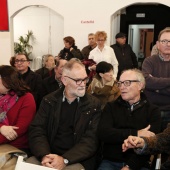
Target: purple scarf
(6, 103)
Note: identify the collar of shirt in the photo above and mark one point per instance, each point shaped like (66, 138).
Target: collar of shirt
(102, 49)
(64, 98)
(162, 58)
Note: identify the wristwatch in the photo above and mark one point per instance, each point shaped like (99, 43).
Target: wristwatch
(66, 161)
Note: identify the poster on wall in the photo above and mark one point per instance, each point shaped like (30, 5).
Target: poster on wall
(4, 16)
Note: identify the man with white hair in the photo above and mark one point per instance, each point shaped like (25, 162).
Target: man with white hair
(130, 114)
(63, 134)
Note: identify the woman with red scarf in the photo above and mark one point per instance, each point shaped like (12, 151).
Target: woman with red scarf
(17, 109)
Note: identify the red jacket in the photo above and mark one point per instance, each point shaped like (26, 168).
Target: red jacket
(20, 115)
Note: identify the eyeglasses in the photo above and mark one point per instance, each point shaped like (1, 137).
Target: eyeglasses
(79, 81)
(101, 40)
(126, 83)
(164, 42)
(21, 61)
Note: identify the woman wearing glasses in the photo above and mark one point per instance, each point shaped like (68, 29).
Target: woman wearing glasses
(17, 109)
(103, 85)
(130, 114)
(103, 52)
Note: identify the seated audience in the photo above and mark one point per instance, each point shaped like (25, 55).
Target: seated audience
(91, 45)
(130, 114)
(70, 50)
(12, 61)
(48, 67)
(33, 80)
(54, 82)
(103, 85)
(103, 52)
(17, 109)
(63, 134)
(159, 143)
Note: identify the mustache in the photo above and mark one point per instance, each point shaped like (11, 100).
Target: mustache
(81, 88)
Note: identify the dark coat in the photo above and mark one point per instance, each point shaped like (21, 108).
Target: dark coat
(118, 122)
(125, 56)
(86, 51)
(50, 84)
(67, 54)
(44, 72)
(34, 81)
(44, 128)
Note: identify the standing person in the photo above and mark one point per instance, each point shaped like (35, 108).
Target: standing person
(17, 109)
(91, 45)
(48, 67)
(54, 82)
(63, 134)
(126, 57)
(70, 49)
(103, 53)
(130, 114)
(33, 80)
(156, 70)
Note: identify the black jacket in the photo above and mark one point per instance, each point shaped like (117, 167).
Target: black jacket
(45, 72)
(49, 85)
(118, 122)
(125, 57)
(67, 54)
(34, 81)
(44, 127)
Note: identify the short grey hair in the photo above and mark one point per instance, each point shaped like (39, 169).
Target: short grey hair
(70, 64)
(139, 76)
(45, 58)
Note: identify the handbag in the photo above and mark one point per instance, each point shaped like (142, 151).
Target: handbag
(8, 156)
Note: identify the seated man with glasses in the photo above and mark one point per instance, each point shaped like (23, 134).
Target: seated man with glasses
(32, 80)
(63, 134)
(130, 114)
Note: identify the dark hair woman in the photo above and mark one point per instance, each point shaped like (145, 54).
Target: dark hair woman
(17, 108)
(103, 85)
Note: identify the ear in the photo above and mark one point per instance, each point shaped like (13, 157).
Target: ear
(157, 44)
(64, 80)
(101, 74)
(140, 86)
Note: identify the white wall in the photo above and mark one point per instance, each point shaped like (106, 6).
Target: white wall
(47, 27)
(74, 13)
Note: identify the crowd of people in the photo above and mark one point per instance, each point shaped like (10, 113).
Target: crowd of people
(89, 109)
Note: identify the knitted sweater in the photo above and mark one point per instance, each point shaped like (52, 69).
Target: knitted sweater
(157, 75)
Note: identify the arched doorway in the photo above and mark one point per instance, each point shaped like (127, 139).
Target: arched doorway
(142, 24)
(47, 27)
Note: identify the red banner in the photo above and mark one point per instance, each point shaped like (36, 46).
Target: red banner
(3, 16)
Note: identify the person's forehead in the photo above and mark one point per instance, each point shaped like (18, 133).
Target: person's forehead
(62, 62)
(91, 36)
(21, 57)
(78, 71)
(165, 35)
(128, 75)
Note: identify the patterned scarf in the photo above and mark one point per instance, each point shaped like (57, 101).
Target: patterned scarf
(6, 103)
